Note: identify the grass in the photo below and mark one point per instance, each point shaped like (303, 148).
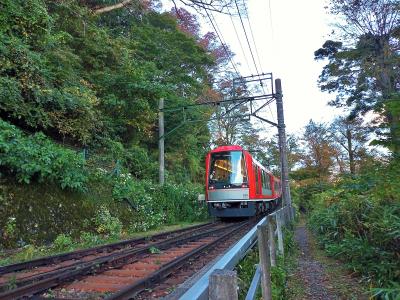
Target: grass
(247, 267)
(30, 252)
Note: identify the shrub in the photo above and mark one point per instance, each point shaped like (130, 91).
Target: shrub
(358, 221)
(153, 205)
(36, 157)
(62, 242)
(107, 224)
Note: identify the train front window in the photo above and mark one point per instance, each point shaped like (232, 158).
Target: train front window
(227, 170)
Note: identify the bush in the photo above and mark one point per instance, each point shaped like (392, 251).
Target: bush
(153, 205)
(107, 224)
(358, 221)
(62, 242)
(37, 158)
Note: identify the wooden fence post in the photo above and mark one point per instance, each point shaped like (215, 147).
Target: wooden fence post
(263, 250)
(278, 217)
(223, 285)
(272, 247)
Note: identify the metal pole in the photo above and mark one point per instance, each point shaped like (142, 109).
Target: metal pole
(161, 141)
(282, 146)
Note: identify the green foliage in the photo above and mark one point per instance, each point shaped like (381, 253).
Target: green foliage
(92, 216)
(154, 205)
(96, 80)
(62, 242)
(73, 79)
(358, 221)
(36, 157)
(154, 250)
(247, 267)
(106, 224)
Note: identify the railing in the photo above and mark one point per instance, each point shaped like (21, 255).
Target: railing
(220, 282)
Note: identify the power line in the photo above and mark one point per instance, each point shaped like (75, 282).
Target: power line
(256, 49)
(223, 44)
(252, 35)
(240, 43)
(247, 39)
(270, 20)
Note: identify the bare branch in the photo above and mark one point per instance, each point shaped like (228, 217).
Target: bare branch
(112, 7)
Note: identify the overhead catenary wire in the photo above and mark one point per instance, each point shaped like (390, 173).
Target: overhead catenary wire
(256, 50)
(247, 38)
(250, 48)
(222, 43)
(252, 35)
(240, 43)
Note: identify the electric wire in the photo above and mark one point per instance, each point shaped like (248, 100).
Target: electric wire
(256, 50)
(223, 45)
(238, 38)
(270, 21)
(247, 38)
(252, 35)
(251, 52)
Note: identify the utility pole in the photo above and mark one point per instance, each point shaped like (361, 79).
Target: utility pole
(161, 142)
(282, 146)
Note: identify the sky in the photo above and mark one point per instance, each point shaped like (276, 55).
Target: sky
(286, 34)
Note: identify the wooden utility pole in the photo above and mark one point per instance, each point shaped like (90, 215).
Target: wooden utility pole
(161, 142)
(287, 200)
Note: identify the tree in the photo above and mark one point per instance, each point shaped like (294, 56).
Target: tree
(100, 7)
(364, 72)
(351, 135)
(319, 151)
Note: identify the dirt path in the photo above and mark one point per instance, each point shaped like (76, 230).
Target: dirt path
(317, 277)
(311, 271)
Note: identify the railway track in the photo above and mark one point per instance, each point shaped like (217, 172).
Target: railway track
(117, 271)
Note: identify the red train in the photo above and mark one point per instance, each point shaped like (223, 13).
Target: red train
(237, 185)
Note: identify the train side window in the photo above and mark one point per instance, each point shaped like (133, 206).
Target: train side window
(257, 180)
(263, 179)
(267, 181)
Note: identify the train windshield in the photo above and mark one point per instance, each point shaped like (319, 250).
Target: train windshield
(227, 170)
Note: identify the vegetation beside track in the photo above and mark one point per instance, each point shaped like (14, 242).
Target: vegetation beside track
(101, 213)
(247, 267)
(357, 221)
(79, 96)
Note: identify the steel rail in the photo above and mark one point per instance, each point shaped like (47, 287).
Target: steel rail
(51, 279)
(84, 252)
(167, 269)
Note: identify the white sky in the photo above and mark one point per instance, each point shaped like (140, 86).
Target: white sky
(287, 50)
(286, 44)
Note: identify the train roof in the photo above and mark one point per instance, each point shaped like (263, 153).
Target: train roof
(227, 148)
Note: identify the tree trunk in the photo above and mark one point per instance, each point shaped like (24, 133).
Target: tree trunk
(388, 87)
(351, 152)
